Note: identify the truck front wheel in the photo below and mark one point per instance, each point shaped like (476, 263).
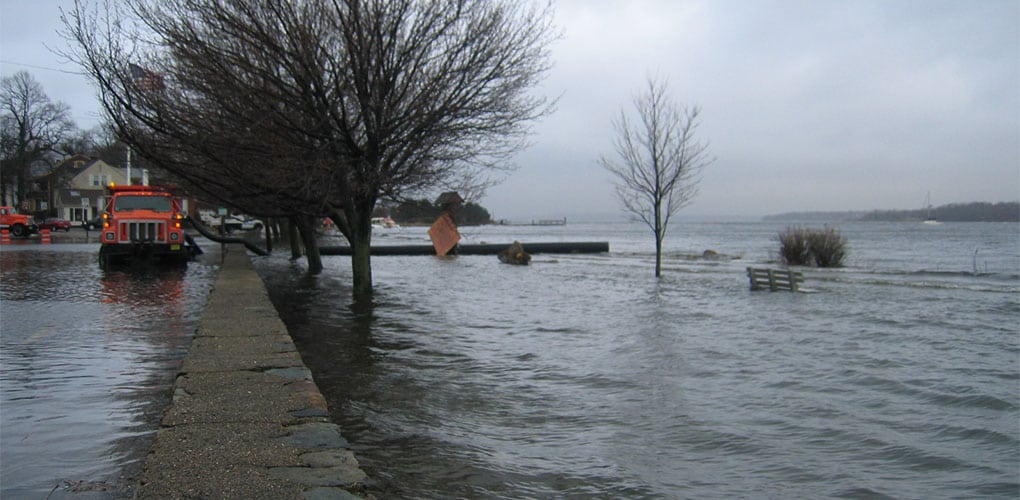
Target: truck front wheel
(19, 231)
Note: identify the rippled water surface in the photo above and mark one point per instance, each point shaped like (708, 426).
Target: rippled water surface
(87, 363)
(582, 375)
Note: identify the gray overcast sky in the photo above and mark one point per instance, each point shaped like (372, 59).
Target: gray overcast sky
(807, 105)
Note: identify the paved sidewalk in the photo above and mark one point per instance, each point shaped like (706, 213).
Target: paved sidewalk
(247, 420)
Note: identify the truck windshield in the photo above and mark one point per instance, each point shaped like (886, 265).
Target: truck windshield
(154, 203)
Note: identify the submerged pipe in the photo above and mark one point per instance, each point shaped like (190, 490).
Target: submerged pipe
(482, 249)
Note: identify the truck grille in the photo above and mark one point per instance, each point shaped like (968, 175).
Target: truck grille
(143, 231)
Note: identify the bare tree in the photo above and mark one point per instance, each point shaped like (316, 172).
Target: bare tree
(320, 107)
(31, 126)
(657, 159)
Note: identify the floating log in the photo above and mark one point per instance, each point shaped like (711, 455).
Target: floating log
(482, 249)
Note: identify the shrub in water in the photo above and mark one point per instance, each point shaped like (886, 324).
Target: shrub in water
(804, 247)
(793, 246)
(827, 247)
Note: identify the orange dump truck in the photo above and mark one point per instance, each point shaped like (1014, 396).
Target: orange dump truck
(143, 222)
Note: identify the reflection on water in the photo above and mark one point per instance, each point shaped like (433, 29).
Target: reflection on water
(87, 365)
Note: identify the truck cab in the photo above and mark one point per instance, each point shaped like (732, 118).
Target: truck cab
(19, 225)
(143, 222)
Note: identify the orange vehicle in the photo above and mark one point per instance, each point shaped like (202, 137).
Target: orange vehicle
(143, 222)
(19, 225)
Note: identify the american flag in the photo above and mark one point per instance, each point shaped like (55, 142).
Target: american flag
(144, 79)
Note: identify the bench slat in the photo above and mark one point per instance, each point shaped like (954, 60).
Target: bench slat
(774, 279)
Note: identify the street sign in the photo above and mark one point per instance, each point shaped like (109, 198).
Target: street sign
(444, 234)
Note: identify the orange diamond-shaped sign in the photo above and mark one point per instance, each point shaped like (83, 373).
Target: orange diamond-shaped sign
(444, 234)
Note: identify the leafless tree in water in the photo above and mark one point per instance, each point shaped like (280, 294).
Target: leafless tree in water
(658, 160)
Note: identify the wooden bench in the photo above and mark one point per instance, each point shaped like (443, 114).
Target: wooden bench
(774, 279)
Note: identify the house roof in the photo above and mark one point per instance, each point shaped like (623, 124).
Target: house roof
(448, 198)
(73, 197)
(71, 166)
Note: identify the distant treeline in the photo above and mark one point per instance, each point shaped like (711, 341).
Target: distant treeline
(426, 212)
(954, 212)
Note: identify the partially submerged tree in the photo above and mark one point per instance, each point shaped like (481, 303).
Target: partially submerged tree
(30, 127)
(657, 161)
(320, 107)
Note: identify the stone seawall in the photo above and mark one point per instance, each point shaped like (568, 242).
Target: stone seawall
(247, 420)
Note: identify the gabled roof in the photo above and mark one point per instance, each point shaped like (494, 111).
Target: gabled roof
(71, 166)
(449, 198)
(72, 197)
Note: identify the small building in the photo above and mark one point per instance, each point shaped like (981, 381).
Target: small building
(449, 201)
(75, 188)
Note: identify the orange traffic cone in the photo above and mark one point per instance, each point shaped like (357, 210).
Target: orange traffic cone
(5, 237)
(46, 237)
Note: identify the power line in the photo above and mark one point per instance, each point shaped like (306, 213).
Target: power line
(34, 66)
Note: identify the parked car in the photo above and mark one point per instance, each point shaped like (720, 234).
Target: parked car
(55, 224)
(242, 223)
(93, 223)
(231, 223)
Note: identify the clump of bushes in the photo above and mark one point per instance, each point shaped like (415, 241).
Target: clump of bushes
(820, 247)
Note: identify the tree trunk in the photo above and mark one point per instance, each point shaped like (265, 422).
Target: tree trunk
(306, 226)
(269, 234)
(658, 254)
(361, 248)
(658, 237)
(292, 237)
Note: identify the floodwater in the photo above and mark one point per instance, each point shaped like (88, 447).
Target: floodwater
(87, 365)
(897, 376)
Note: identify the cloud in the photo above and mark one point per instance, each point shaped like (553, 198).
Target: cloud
(813, 105)
(807, 104)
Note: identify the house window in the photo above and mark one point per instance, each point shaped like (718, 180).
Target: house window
(99, 180)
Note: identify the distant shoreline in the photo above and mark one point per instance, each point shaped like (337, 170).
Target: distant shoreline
(954, 212)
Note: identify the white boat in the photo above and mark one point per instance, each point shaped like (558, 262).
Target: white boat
(384, 223)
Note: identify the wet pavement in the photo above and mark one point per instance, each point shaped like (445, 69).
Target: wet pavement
(87, 364)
